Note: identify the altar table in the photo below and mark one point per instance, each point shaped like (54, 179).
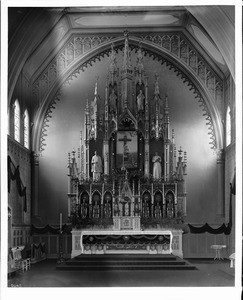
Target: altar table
(174, 246)
(150, 248)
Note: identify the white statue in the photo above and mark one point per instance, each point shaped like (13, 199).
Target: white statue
(140, 99)
(157, 166)
(96, 166)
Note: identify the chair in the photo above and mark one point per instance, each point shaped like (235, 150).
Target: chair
(20, 263)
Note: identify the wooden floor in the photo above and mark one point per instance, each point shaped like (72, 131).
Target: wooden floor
(209, 273)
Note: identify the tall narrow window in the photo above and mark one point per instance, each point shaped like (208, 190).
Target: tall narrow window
(26, 129)
(228, 127)
(17, 121)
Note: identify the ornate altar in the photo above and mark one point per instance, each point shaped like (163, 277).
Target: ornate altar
(127, 176)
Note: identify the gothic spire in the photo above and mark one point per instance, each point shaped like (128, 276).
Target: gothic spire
(127, 55)
(96, 88)
(140, 59)
(156, 85)
(113, 62)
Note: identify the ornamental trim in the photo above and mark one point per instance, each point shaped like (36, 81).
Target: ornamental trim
(162, 60)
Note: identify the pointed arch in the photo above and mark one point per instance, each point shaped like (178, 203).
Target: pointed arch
(195, 83)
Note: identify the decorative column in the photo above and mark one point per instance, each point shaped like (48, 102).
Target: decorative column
(36, 157)
(146, 138)
(220, 170)
(167, 142)
(86, 139)
(106, 138)
(69, 185)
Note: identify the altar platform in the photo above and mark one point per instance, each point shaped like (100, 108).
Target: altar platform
(119, 262)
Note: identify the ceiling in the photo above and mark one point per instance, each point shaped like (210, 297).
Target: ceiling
(44, 31)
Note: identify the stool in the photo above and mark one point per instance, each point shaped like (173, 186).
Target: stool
(232, 260)
(218, 249)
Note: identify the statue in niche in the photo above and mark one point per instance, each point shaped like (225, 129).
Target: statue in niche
(84, 210)
(113, 101)
(107, 209)
(157, 211)
(96, 166)
(146, 210)
(140, 100)
(156, 166)
(96, 211)
(170, 206)
(136, 209)
(116, 209)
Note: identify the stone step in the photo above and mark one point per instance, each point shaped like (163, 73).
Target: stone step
(126, 262)
(125, 267)
(122, 257)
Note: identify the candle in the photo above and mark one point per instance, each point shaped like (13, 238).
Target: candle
(60, 221)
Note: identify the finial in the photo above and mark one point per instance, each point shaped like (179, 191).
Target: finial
(96, 86)
(73, 153)
(180, 152)
(112, 57)
(156, 87)
(174, 151)
(166, 100)
(126, 56)
(69, 158)
(173, 133)
(126, 33)
(185, 157)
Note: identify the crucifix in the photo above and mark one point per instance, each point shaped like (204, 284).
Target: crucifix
(125, 148)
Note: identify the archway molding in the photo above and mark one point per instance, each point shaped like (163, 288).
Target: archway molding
(180, 67)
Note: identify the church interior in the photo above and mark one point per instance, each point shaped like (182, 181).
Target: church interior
(121, 145)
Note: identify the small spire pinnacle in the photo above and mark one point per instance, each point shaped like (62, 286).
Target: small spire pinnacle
(185, 157)
(87, 103)
(140, 58)
(173, 134)
(156, 85)
(126, 56)
(180, 152)
(96, 86)
(166, 100)
(112, 58)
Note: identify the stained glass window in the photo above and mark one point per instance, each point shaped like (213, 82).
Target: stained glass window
(26, 129)
(228, 127)
(16, 121)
